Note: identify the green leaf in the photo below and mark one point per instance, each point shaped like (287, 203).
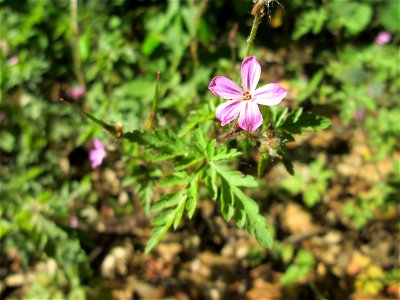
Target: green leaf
(236, 178)
(245, 210)
(192, 195)
(178, 214)
(166, 201)
(177, 178)
(279, 117)
(156, 235)
(388, 15)
(108, 127)
(145, 192)
(186, 162)
(199, 141)
(211, 149)
(150, 44)
(166, 143)
(165, 219)
(84, 45)
(262, 163)
(211, 184)
(227, 200)
(353, 17)
(286, 159)
(298, 121)
(162, 217)
(224, 154)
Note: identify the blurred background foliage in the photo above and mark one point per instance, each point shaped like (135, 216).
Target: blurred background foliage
(55, 209)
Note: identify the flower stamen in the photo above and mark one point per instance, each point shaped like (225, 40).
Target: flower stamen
(246, 95)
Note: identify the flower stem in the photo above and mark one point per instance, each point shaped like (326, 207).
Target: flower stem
(257, 18)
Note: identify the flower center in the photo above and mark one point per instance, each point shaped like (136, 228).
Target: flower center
(246, 95)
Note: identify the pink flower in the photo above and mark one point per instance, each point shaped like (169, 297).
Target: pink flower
(77, 92)
(74, 222)
(243, 102)
(383, 37)
(2, 116)
(13, 60)
(97, 154)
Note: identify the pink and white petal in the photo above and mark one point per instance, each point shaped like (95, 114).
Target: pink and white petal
(251, 71)
(97, 144)
(228, 111)
(225, 88)
(250, 117)
(269, 94)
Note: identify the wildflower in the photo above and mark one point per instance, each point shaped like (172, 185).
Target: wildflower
(97, 154)
(382, 38)
(74, 222)
(13, 60)
(243, 102)
(77, 92)
(359, 115)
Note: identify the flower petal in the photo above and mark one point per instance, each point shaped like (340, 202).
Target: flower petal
(269, 94)
(250, 117)
(97, 144)
(251, 71)
(225, 88)
(228, 111)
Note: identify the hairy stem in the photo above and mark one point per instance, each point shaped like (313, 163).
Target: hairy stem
(257, 18)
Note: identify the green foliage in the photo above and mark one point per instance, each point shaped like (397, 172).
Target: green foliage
(311, 182)
(362, 209)
(204, 158)
(121, 46)
(301, 267)
(284, 125)
(352, 18)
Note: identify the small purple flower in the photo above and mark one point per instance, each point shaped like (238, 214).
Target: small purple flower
(74, 222)
(97, 154)
(77, 92)
(243, 102)
(359, 115)
(383, 37)
(13, 60)
(2, 116)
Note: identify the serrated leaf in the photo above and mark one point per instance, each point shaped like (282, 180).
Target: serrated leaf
(240, 215)
(177, 178)
(165, 219)
(227, 201)
(224, 154)
(166, 143)
(262, 164)
(256, 223)
(199, 141)
(156, 235)
(236, 178)
(211, 149)
(245, 209)
(145, 192)
(279, 117)
(186, 162)
(211, 184)
(162, 217)
(179, 213)
(286, 159)
(298, 121)
(166, 201)
(192, 195)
